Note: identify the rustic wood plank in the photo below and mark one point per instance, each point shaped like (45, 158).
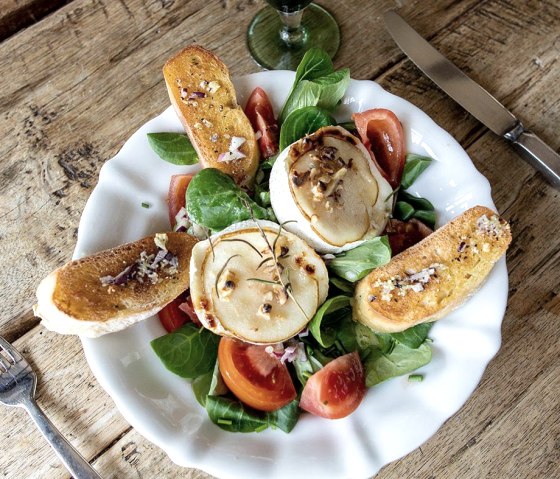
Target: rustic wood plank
(18, 14)
(134, 456)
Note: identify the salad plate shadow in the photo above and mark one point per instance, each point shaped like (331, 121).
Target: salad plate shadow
(395, 417)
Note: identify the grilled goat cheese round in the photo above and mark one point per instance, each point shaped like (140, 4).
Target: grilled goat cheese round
(260, 291)
(331, 192)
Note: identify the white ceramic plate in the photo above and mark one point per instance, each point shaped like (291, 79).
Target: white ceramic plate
(394, 418)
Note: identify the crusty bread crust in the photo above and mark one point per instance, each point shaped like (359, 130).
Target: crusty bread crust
(75, 293)
(433, 277)
(211, 121)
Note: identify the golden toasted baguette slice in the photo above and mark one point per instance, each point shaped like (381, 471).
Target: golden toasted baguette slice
(203, 96)
(115, 288)
(433, 277)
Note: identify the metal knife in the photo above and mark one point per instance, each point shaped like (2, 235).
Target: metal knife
(473, 98)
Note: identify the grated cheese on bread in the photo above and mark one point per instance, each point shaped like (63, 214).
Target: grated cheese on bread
(113, 289)
(433, 277)
(204, 98)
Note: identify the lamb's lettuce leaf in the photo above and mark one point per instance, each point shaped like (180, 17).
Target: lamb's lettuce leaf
(356, 263)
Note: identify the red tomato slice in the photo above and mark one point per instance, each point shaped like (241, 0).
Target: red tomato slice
(336, 390)
(176, 196)
(254, 376)
(177, 313)
(404, 234)
(260, 114)
(382, 135)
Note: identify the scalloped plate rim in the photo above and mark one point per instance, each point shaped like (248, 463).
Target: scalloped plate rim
(250, 465)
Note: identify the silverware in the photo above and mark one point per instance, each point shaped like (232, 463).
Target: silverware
(17, 388)
(473, 98)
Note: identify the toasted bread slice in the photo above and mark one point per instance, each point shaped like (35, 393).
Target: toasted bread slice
(116, 288)
(433, 277)
(203, 95)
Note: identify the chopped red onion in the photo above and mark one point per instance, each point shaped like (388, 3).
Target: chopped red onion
(196, 94)
(121, 278)
(304, 332)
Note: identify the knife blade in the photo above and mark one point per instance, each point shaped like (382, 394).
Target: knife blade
(473, 98)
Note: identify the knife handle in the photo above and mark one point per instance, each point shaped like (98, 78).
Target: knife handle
(538, 154)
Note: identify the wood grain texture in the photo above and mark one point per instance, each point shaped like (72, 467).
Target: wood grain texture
(18, 14)
(79, 82)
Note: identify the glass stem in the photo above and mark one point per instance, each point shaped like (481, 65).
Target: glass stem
(292, 33)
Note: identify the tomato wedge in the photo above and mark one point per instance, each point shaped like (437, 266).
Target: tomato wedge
(176, 196)
(177, 313)
(404, 234)
(260, 114)
(381, 133)
(336, 390)
(254, 376)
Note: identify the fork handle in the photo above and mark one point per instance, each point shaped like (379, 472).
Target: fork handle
(71, 458)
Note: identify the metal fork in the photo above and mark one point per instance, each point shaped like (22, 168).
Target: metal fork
(17, 388)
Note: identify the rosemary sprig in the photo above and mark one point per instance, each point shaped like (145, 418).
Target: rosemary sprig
(280, 232)
(247, 243)
(208, 237)
(265, 281)
(264, 261)
(218, 276)
(287, 287)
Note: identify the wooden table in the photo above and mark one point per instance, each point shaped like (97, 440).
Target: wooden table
(80, 76)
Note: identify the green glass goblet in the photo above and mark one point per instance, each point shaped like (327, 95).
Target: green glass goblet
(280, 34)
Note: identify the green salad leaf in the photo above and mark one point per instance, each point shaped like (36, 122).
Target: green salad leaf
(409, 206)
(305, 368)
(209, 384)
(403, 210)
(174, 148)
(413, 168)
(384, 355)
(232, 415)
(316, 63)
(302, 122)
(342, 285)
(349, 125)
(188, 352)
(380, 366)
(262, 188)
(324, 92)
(416, 202)
(321, 325)
(215, 201)
(413, 337)
(356, 263)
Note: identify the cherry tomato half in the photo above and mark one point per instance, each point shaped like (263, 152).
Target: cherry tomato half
(254, 376)
(382, 134)
(336, 390)
(260, 114)
(177, 313)
(176, 196)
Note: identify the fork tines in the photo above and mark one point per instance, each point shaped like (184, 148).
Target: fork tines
(9, 356)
